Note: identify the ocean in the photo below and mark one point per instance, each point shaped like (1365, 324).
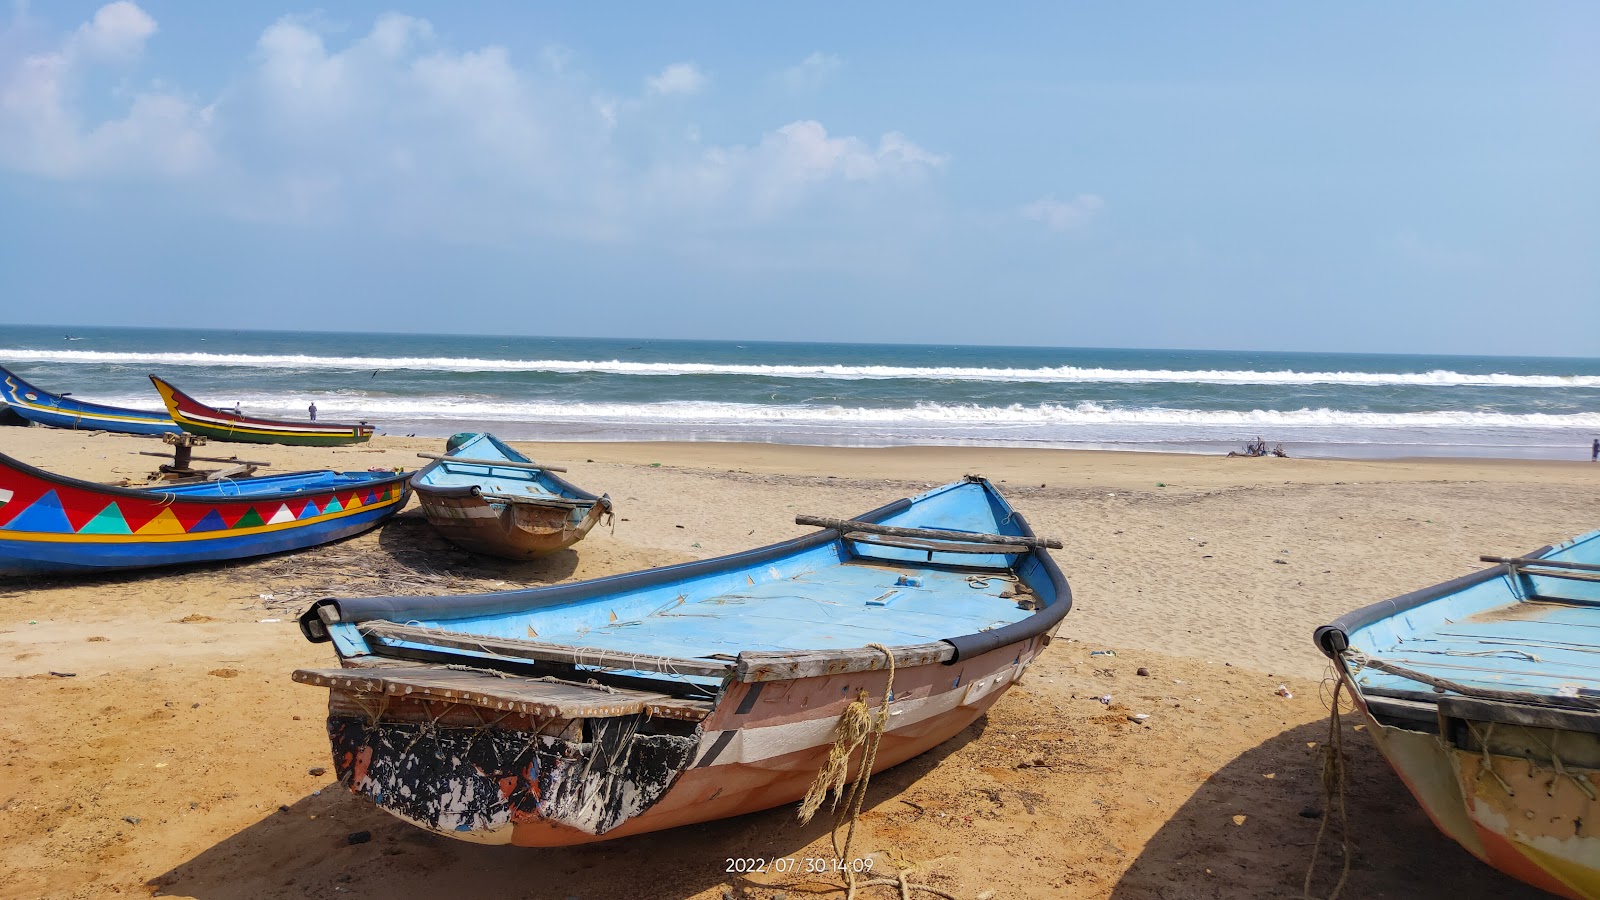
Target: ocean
(572, 389)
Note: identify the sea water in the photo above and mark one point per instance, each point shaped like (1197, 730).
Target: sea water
(541, 388)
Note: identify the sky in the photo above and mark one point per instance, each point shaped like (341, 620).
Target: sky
(1362, 176)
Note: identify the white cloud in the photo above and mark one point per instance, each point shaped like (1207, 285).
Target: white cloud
(1063, 215)
(42, 131)
(812, 72)
(118, 31)
(394, 129)
(678, 78)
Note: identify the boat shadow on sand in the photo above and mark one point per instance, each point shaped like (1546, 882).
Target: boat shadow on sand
(1200, 853)
(305, 849)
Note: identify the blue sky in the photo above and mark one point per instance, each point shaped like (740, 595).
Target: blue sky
(1420, 177)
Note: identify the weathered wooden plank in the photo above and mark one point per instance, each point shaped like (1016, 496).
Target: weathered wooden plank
(1520, 562)
(538, 500)
(908, 543)
(512, 693)
(520, 649)
(501, 463)
(933, 534)
(783, 666)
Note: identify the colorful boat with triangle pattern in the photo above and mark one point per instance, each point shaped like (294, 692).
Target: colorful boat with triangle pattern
(220, 425)
(53, 524)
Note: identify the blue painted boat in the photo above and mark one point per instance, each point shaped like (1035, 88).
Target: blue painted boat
(1484, 694)
(52, 524)
(484, 496)
(588, 711)
(62, 411)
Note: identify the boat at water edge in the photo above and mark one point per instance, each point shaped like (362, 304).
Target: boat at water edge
(220, 425)
(1482, 692)
(486, 497)
(580, 712)
(54, 524)
(62, 411)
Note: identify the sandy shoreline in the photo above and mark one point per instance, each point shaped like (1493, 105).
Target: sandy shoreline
(1209, 571)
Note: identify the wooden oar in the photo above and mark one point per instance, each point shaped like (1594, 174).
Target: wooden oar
(502, 463)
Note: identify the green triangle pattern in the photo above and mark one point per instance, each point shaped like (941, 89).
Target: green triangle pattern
(251, 519)
(108, 521)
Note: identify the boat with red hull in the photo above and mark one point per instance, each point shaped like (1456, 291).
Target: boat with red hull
(197, 418)
(51, 524)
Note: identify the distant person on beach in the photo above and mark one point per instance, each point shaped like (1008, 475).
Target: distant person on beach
(312, 409)
(236, 410)
(1594, 452)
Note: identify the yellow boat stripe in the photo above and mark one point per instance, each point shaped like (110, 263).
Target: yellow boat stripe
(86, 415)
(51, 538)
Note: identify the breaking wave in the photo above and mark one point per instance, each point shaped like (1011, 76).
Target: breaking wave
(346, 405)
(1054, 374)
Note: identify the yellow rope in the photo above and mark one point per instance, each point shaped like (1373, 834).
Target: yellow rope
(1333, 784)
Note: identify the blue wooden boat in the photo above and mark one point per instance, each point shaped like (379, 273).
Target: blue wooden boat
(50, 523)
(1484, 694)
(486, 497)
(62, 411)
(588, 711)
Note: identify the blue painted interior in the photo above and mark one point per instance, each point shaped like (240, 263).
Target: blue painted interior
(494, 479)
(831, 595)
(288, 484)
(1534, 633)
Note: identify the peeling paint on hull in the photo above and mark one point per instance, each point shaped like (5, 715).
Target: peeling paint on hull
(1546, 833)
(475, 782)
(760, 748)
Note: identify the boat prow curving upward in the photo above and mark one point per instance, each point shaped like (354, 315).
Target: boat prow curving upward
(50, 523)
(582, 712)
(1482, 695)
(61, 411)
(486, 497)
(197, 418)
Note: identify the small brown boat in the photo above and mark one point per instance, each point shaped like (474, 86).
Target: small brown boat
(485, 497)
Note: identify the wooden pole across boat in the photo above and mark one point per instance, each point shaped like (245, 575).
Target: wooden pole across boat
(935, 534)
(502, 463)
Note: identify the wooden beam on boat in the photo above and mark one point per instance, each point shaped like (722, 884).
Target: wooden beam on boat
(560, 653)
(501, 463)
(906, 543)
(784, 665)
(543, 698)
(931, 534)
(538, 500)
(1523, 561)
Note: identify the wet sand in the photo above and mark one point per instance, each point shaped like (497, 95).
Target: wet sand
(174, 760)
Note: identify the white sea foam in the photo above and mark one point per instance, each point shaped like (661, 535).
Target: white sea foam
(1056, 374)
(346, 405)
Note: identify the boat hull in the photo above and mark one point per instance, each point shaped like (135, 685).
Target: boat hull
(762, 747)
(45, 408)
(509, 530)
(219, 425)
(55, 525)
(1536, 832)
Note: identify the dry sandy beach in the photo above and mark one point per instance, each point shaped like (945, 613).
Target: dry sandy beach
(175, 759)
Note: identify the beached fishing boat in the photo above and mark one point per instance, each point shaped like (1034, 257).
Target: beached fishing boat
(62, 411)
(51, 523)
(220, 425)
(1483, 694)
(485, 497)
(588, 711)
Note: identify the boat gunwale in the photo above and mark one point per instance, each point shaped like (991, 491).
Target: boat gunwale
(315, 621)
